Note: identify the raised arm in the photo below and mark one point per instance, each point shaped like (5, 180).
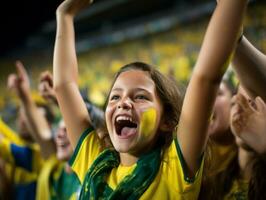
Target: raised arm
(250, 66)
(39, 127)
(218, 45)
(65, 71)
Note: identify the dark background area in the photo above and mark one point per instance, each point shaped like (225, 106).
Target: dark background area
(31, 23)
(20, 19)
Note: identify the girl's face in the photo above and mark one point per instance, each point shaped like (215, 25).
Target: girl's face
(133, 93)
(220, 122)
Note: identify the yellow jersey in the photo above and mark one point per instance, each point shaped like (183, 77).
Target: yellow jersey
(169, 183)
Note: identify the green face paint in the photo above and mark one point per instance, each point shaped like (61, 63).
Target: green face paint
(148, 121)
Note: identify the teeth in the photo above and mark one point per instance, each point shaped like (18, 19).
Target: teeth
(121, 118)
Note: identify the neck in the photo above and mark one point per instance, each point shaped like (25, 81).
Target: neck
(68, 169)
(245, 159)
(127, 159)
(226, 139)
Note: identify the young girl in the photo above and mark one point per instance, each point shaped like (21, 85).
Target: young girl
(142, 112)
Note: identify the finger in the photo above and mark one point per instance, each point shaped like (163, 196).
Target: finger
(235, 109)
(236, 127)
(46, 86)
(44, 75)
(233, 100)
(260, 104)
(244, 104)
(22, 73)
(47, 76)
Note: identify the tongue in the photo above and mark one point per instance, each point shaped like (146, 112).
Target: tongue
(127, 131)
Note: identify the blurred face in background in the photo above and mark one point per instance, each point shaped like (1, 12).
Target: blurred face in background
(219, 127)
(64, 149)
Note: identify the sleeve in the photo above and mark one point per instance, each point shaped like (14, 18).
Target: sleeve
(183, 165)
(86, 151)
(176, 173)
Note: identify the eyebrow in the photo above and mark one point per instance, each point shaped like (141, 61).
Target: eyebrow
(135, 89)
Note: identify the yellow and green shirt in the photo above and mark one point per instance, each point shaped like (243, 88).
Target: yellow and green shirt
(169, 183)
(55, 183)
(23, 162)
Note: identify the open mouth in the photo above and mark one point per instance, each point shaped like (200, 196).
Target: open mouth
(62, 144)
(125, 127)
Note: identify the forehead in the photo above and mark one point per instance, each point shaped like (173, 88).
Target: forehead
(134, 79)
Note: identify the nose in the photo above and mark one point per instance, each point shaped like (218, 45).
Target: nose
(125, 103)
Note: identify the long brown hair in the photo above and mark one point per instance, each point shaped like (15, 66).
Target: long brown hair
(257, 183)
(218, 185)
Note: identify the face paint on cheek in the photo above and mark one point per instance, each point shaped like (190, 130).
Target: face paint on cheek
(210, 118)
(148, 121)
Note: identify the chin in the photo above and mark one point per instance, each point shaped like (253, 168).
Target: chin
(63, 157)
(121, 149)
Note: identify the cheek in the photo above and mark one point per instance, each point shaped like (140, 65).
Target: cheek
(224, 107)
(148, 122)
(223, 103)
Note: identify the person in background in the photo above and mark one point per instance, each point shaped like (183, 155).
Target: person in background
(54, 177)
(22, 155)
(63, 182)
(243, 176)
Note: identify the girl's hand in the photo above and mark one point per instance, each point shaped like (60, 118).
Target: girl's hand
(248, 121)
(72, 7)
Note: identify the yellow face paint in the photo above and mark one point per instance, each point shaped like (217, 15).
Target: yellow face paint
(148, 121)
(211, 117)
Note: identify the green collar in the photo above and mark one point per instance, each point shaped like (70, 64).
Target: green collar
(131, 187)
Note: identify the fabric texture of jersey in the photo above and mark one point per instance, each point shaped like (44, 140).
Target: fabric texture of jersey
(170, 182)
(23, 162)
(55, 183)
